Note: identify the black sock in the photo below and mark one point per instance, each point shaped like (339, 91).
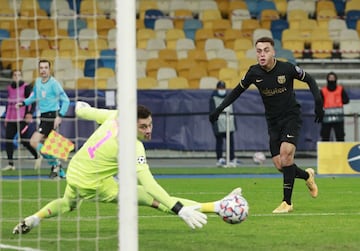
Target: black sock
(300, 173)
(289, 173)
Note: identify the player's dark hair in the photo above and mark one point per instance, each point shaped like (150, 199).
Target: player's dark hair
(45, 61)
(265, 40)
(331, 73)
(143, 112)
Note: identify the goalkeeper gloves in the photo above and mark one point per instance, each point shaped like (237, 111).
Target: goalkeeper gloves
(190, 214)
(80, 104)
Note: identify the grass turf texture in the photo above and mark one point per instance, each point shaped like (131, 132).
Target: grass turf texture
(330, 222)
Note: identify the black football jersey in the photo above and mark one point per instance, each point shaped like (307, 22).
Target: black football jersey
(276, 87)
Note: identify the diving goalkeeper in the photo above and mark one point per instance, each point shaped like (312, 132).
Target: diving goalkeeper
(91, 173)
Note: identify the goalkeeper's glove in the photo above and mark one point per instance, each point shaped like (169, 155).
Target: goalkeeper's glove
(190, 214)
(214, 115)
(80, 104)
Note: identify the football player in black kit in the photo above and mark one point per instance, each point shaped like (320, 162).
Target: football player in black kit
(274, 80)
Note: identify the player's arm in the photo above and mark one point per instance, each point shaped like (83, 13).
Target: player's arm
(319, 111)
(229, 99)
(85, 111)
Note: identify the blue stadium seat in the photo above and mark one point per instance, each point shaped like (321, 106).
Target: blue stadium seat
(75, 5)
(45, 5)
(74, 26)
(277, 27)
(4, 34)
(340, 7)
(252, 7)
(287, 54)
(191, 26)
(150, 17)
(91, 65)
(108, 58)
(264, 5)
(351, 18)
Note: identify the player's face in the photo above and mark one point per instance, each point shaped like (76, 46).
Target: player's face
(16, 76)
(265, 54)
(145, 127)
(44, 70)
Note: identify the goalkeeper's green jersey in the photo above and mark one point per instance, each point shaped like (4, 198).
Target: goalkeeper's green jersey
(97, 159)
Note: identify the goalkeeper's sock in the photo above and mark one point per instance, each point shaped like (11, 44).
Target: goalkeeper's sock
(288, 182)
(300, 173)
(32, 221)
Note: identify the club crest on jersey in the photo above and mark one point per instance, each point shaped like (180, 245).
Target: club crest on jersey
(281, 79)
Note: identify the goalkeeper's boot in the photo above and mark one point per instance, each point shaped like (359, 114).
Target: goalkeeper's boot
(283, 208)
(310, 183)
(24, 226)
(37, 164)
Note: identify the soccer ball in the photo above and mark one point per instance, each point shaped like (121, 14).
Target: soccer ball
(234, 209)
(259, 158)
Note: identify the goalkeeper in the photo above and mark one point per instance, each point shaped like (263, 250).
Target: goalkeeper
(91, 170)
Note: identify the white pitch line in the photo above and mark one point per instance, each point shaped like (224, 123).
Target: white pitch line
(18, 248)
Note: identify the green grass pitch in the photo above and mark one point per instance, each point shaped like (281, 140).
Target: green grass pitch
(330, 222)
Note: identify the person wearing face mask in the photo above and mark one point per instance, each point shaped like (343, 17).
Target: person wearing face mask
(219, 127)
(17, 121)
(334, 96)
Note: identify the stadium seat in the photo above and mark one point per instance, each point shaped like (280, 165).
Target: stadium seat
(91, 65)
(111, 83)
(351, 6)
(178, 83)
(161, 26)
(286, 54)
(74, 27)
(352, 16)
(152, 66)
(199, 56)
(85, 35)
(103, 25)
(293, 40)
(277, 26)
(201, 36)
(340, 7)
(142, 36)
(191, 26)
(179, 16)
(141, 57)
(267, 16)
(214, 65)
(249, 25)
(195, 74)
(169, 56)
(85, 83)
(147, 83)
(281, 7)
(212, 45)
(151, 15)
(252, 7)
(172, 36)
(163, 75)
(230, 56)
(177, 5)
(231, 35)
(36, 46)
(184, 65)
(183, 45)
(101, 76)
(208, 16)
(140, 71)
(237, 16)
(220, 26)
(260, 32)
(71, 76)
(154, 45)
(62, 64)
(230, 76)
(4, 34)
(90, 8)
(350, 49)
(208, 82)
(335, 26)
(236, 5)
(241, 45)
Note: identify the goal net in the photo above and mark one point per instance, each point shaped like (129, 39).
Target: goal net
(79, 38)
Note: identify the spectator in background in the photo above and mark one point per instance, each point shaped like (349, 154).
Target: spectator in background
(219, 126)
(334, 96)
(17, 120)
